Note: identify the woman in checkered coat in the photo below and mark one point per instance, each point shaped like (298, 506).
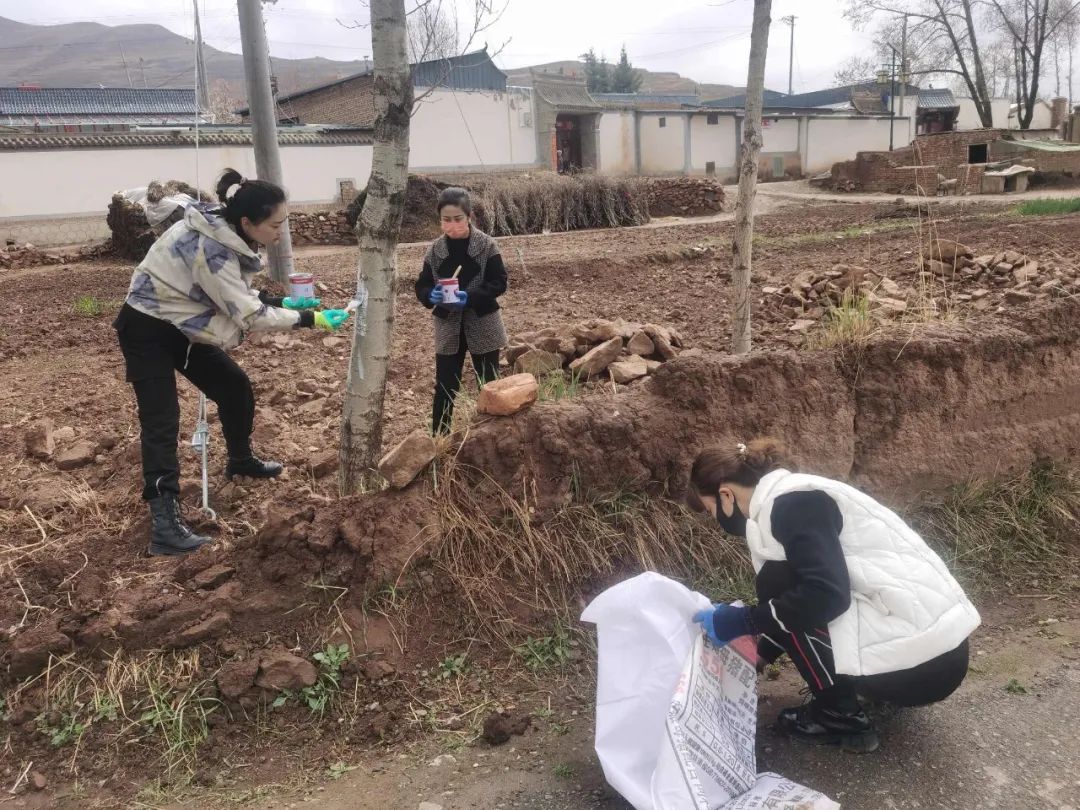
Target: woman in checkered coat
(473, 322)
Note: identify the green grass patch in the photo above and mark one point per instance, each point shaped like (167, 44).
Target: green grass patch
(849, 324)
(86, 306)
(1043, 208)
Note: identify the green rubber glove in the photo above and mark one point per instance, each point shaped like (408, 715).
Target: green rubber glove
(331, 319)
(300, 303)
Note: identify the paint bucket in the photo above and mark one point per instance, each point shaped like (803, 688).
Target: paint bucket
(301, 285)
(449, 290)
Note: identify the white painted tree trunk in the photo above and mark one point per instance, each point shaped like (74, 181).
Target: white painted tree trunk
(378, 229)
(743, 248)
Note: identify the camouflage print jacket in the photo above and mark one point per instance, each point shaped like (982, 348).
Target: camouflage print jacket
(197, 277)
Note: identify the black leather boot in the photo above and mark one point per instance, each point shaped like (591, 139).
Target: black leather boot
(815, 722)
(252, 467)
(169, 535)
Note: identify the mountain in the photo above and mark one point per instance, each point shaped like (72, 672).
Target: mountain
(88, 54)
(653, 83)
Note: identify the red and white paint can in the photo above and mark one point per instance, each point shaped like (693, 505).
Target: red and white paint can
(449, 290)
(301, 285)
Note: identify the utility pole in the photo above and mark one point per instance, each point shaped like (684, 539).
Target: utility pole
(263, 121)
(790, 20)
(903, 66)
(123, 58)
(200, 66)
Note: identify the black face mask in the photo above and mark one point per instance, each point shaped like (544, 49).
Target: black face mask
(734, 525)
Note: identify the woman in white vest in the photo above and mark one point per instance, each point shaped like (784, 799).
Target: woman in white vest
(849, 591)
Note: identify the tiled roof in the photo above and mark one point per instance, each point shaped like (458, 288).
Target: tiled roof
(931, 99)
(34, 141)
(83, 101)
(646, 99)
(564, 94)
(818, 98)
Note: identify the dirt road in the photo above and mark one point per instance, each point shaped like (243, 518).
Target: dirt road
(1005, 740)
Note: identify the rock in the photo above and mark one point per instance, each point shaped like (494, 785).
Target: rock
(410, 458)
(653, 366)
(948, 251)
(938, 268)
(892, 306)
(890, 288)
(977, 294)
(377, 669)
(593, 332)
(324, 463)
(1019, 296)
(30, 650)
(313, 407)
(626, 371)
(656, 331)
(539, 363)
(213, 627)
(77, 455)
(641, 345)
(280, 670)
(801, 325)
(509, 395)
(514, 351)
(429, 806)
(1014, 258)
(596, 361)
(985, 261)
(1002, 268)
(65, 434)
(38, 781)
(1026, 272)
(443, 759)
(40, 440)
(498, 728)
(664, 350)
(211, 577)
(308, 387)
(237, 677)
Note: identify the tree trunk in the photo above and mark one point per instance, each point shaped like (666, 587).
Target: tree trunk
(743, 248)
(378, 228)
(982, 99)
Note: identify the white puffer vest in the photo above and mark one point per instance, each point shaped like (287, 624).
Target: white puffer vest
(906, 608)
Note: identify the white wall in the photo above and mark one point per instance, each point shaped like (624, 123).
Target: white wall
(713, 142)
(1042, 119)
(472, 130)
(73, 182)
(617, 143)
(969, 114)
(780, 134)
(831, 140)
(663, 149)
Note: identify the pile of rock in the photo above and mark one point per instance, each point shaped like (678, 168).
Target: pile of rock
(14, 256)
(807, 297)
(622, 351)
(684, 197)
(321, 228)
(1016, 276)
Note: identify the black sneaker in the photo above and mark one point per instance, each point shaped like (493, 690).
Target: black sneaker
(814, 723)
(252, 467)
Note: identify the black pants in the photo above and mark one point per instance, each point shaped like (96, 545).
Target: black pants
(811, 652)
(448, 368)
(153, 352)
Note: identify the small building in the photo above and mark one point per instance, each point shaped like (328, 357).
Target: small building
(74, 109)
(938, 111)
(567, 122)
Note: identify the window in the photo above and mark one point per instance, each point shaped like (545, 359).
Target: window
(663, 122)
(710, 168)
(713, 119)
(978, 153)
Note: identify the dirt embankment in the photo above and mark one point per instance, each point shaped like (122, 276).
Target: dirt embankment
(902, 414)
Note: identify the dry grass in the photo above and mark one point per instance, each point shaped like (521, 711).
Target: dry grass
(549, 202)
(849, 324)
(1022, 531)
(519, 571)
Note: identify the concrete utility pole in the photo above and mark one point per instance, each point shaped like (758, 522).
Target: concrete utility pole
(200, 66)
(903, 66)
(790, 20)
(263, 121)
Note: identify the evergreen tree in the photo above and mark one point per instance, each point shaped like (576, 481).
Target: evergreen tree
(625, 79)
(597, 72)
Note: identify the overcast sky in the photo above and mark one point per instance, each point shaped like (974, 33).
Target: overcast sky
(707, 40)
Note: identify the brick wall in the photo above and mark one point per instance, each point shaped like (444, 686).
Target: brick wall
(349, 103)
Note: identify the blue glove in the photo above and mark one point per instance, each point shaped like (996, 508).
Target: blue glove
(300, 303)
(722, 623)
(435, 296)
(462, 300)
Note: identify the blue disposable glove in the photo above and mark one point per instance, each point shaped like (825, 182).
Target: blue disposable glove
(462, 300)
(435, 296)
(722, 623)
(300, 303)
(331, 319)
